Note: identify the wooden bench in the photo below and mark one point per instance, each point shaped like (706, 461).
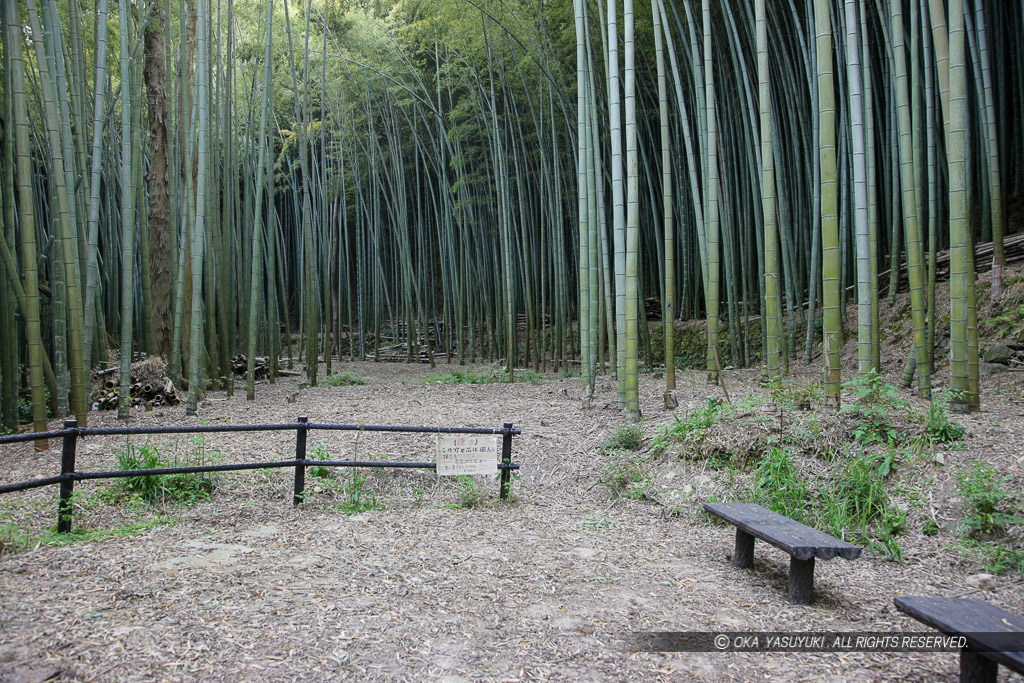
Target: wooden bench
(994, 636)
(803, 543)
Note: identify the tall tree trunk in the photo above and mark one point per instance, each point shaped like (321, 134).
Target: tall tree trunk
(160, 260)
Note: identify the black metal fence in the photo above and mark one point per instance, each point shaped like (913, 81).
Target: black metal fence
(72, 433)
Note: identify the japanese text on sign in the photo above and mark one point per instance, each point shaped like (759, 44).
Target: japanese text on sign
(467, 455)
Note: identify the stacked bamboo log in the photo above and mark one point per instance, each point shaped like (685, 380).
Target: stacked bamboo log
(240, 365)
(148, 394)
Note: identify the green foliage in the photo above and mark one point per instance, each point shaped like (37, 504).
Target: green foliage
(417, 494)
(510, 496)
(695, 426)
(798, 395)
(147, 486)
(626, 475)
(987, 505)
(25, 407)
(777, 487)
(859, 506)
(489, 374)
(997, 557)
(941, 429)
(1007, 325)
(627, 438)
(930, 528)
(460, 377)
(345, 378)
(470, 492)
(691, 345)
(186, 488)
(874, 402)
(529, 376)
(354, 499)
(861, 492)
(14, 538)
(319, 471)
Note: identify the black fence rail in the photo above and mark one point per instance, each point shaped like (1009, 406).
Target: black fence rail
(72, 433)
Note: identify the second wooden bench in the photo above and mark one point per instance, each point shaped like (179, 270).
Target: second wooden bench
(803, 543)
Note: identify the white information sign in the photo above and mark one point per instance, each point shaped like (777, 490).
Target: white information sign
(466, 455)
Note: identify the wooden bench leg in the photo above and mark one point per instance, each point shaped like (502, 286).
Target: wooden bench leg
(743, 558)
(801, 581)
(976, 667)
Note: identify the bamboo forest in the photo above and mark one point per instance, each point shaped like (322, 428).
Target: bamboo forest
(689, 263)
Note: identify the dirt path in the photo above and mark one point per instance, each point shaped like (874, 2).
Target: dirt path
(245, 587)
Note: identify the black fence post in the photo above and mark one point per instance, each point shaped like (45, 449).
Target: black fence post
(506, 460)
(300, 454)
(67, 485)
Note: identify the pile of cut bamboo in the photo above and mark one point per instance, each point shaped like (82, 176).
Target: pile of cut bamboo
(148, 394)
(240, 365)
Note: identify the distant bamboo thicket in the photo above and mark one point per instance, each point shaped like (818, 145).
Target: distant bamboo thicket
(518, 180)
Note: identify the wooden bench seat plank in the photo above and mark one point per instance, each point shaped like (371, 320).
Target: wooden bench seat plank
(799, 540)
(982, 624)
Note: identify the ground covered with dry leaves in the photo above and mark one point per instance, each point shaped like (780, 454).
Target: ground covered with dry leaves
(427, 582)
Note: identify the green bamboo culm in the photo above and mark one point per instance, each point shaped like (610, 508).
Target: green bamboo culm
(583, 142)
(831, 315)
(96, 170)
(127, 220)
(65, 223)
(668, 298)
(860, 194)
(632, 221)
(618, 200)
(257, 222)
(961, 274)
(202, 81)
(772, 308)
(712, 201)
(26, 219)
(915, 256)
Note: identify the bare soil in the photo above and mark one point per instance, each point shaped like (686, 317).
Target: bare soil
(247, 587)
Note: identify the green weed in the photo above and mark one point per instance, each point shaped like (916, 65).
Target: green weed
(417, 494)
(354, 499)
(941, 429)
(15, 539)
(859, 506)
(874, 401)
(345, 378)
(987, 505)
(319, 471)
(626, 475)
(1008, 324)
(626, 438)
(490, 374)
(777, 486)
(470, 492)
(695, 426)
(186, 488)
